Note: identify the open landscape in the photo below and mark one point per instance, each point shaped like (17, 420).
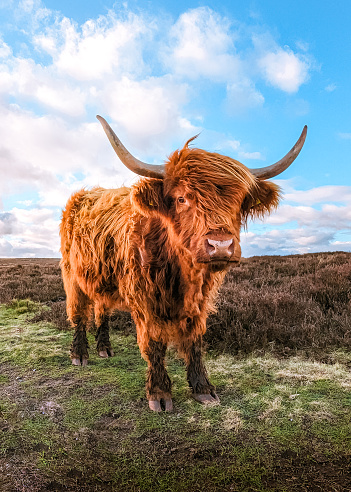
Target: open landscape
(150, 144)
(278, 351)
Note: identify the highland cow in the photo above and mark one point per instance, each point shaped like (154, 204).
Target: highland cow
(160, 250)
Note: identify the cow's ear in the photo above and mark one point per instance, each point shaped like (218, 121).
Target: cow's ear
(147, 197)
(261, 200)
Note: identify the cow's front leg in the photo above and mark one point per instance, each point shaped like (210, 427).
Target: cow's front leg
(78, 311)
(79, 347)
(202, 390)
(102, 337)
(158, 384)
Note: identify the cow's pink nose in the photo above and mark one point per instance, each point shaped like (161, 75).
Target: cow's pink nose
(220, 250)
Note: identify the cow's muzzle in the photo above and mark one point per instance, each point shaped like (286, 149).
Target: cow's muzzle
(219, 249)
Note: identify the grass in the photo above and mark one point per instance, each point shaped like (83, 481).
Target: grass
(283, 423)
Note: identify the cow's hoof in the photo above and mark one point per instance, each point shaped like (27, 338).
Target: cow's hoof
(83, 361)
(106, 353)
(206, 398)
(161, 405)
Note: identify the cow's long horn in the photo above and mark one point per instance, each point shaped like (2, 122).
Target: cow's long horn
(138, 167)
(284, 163)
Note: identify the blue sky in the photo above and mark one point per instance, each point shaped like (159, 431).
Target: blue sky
(247, 75)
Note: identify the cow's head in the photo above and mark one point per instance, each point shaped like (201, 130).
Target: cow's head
(204, 197)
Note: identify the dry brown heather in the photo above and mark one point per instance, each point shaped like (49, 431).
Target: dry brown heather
(279, 303)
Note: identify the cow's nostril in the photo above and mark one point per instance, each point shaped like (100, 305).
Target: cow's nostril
(210, 247)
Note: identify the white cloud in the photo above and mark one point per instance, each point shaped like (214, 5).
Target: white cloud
(147, 108)
(302, 45)
(317, 228)
(242, 95)
(28, 5)
(201, 45)
(331, 87)
(28, 81)
(345, 136)
(281, 67)
(7, 223)
(5, 50)
(233, 144)
(251, 155)
(289, 241)
(138, 73)
(31, 232)
(70, 102)
(284, 69)
(105, 46)
(330, 216)
(319, 195)
(51, 153)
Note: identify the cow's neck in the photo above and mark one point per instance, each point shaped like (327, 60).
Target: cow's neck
(172, 274)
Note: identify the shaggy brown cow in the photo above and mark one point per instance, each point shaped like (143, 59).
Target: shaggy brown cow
(160, 250)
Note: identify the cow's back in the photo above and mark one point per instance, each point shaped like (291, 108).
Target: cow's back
(94, 224)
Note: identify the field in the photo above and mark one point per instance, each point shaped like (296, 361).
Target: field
(278, 351)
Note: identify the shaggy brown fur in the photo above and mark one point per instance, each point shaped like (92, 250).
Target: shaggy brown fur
(142, 249)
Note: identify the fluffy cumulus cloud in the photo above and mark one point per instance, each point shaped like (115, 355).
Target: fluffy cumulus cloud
(289, 241)
(96, 49)
(201, 45)
(144, 75)
(284, 69)
(306, 221)
(22, 233)
(204, 45)
(281, 67)
(147, 108)
(26, 81)
(7, 223)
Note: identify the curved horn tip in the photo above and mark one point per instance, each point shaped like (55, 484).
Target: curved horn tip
(302, 136)
(280, 166)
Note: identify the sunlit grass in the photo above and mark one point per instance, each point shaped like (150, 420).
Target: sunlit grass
(95, 421)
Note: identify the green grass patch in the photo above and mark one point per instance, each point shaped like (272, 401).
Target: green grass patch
(23, 306)
(66, 425)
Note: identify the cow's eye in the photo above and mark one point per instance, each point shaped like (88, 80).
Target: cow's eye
(181, 199)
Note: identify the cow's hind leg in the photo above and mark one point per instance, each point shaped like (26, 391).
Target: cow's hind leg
(102, 336)
(202, 390)
(158, 384)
